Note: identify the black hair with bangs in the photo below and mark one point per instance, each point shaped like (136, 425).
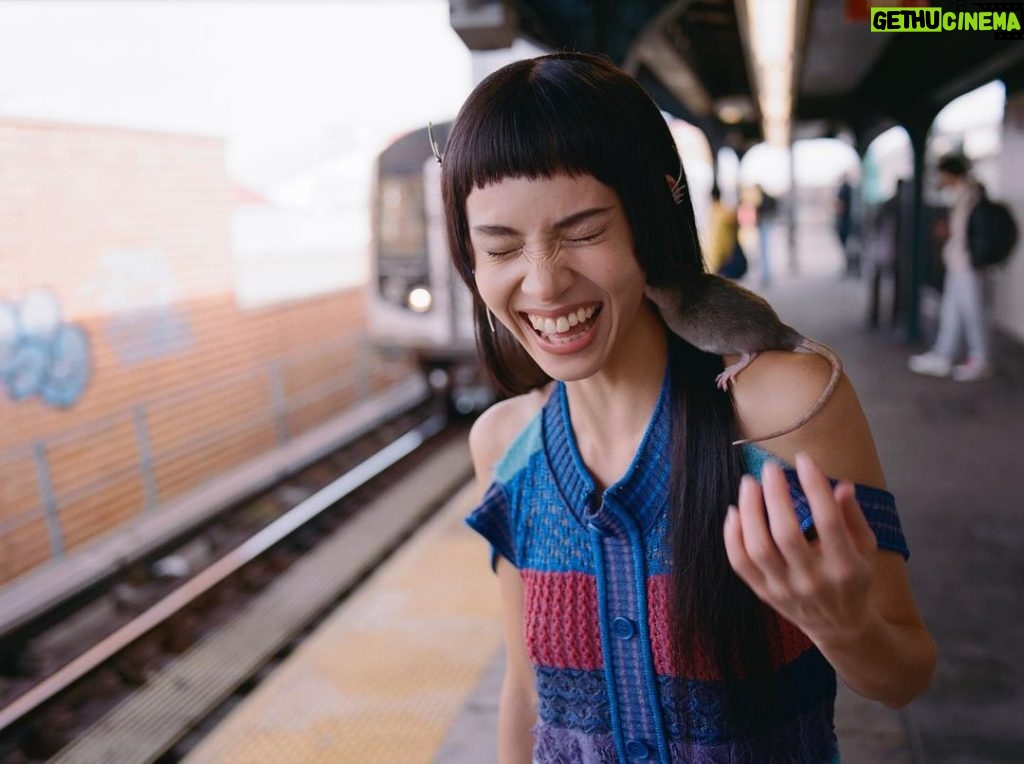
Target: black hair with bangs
(578, 114)
(573, 114)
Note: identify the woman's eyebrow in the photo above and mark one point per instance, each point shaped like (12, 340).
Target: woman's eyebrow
(566, 222)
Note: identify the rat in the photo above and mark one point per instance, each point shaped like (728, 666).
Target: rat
(719, 316)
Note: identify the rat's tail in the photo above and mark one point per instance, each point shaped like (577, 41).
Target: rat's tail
(837, 371)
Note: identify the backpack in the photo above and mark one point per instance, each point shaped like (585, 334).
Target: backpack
(991, 233)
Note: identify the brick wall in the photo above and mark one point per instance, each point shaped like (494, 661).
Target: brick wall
(128, 374)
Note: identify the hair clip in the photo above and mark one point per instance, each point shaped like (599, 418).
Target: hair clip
(679, 187)
(433, 143)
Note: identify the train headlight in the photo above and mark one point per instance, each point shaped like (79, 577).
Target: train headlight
(420, 299)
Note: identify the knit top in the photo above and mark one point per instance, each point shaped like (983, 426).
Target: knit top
(594, 567)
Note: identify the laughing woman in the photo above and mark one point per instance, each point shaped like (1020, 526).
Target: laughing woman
(666, 596)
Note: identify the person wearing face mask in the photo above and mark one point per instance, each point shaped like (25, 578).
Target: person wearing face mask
(659, 603)
(962, 313)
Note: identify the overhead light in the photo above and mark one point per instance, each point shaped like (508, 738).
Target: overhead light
(771, 26)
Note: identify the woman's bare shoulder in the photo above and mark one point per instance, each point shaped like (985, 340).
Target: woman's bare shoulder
(779, 387)
(495, 429)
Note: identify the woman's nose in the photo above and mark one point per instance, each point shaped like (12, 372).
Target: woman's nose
(546, 279)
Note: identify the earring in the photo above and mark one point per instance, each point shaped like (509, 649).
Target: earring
(490, 320)
(433, 143)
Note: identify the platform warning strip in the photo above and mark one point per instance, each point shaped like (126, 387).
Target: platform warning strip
(384, 677)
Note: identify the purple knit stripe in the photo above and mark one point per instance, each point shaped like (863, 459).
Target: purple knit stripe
(559, 745)
(808, 738)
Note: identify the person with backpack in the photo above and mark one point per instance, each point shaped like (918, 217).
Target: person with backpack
(963, 310)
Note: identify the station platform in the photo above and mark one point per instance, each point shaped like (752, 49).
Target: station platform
(408, 669)
(388, 674)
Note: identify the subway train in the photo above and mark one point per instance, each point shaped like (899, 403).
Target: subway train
(418, 305)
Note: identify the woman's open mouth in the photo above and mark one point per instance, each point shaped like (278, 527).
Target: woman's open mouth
(567, 330)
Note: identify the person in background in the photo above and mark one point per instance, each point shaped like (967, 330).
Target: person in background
(844, 221)
(962, 313)
(767, 208)
(722, 232)
(882, 255)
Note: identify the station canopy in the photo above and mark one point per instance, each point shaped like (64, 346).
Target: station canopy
(698, 59)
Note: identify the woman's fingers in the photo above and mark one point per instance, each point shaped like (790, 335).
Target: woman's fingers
(757, 537)
(736, 551)
(782, 518)
(819, 587)
(856, 523)
(832, 529)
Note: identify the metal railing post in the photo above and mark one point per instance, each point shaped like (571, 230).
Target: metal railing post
(279, 401)
(149, 486)
(49, 499)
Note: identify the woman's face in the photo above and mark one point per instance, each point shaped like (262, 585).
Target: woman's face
(555, 264)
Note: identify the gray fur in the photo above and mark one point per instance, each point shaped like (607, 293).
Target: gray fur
(719, 316)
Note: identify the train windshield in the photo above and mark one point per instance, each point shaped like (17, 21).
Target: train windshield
(403, 230)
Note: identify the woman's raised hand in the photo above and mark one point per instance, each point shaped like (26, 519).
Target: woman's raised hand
(820, 586)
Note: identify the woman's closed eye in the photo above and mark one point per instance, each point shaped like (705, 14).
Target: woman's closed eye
(585, 236)
(504, 252)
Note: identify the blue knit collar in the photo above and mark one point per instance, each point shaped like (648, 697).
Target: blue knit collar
(641, 493)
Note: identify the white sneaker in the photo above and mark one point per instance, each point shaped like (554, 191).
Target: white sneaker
(930, 363)
(972, 371)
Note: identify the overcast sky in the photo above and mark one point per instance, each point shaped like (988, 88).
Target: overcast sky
(288, 82)
(279, 79)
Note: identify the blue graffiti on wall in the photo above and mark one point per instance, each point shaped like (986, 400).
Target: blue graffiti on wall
(40, 354)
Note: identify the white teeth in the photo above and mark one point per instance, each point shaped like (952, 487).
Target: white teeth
(561, 324)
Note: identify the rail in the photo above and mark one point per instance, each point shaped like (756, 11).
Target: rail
(195, 587)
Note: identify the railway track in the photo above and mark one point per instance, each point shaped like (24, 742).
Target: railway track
(152, 681)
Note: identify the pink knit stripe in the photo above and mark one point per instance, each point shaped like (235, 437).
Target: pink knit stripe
(560, 620)
(560, 617)
(786, 643)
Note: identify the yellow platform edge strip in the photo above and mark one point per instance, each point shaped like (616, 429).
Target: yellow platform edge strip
(385, 676)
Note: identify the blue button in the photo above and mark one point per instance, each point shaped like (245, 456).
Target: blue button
(637, 749)
(623, 628)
